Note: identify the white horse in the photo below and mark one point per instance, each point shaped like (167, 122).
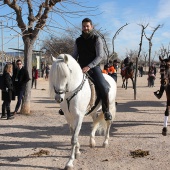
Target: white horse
(71, 89)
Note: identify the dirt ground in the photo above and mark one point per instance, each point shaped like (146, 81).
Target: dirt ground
(41, 141)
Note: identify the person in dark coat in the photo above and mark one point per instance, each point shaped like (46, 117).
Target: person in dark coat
(7, 91)
(126, 61)
(47, 71)
(20, 78)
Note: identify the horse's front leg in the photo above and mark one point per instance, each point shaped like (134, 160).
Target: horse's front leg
(75, 152)
(164, 130)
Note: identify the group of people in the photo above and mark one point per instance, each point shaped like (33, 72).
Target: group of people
(15, 78)
(111, 69)
(45, 69)
(151, 75)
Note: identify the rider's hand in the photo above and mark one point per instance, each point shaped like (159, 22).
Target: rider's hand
(85, 69)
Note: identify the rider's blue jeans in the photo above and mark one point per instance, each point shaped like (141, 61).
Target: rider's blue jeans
(102, 85)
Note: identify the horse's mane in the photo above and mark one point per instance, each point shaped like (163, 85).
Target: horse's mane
(61, 68)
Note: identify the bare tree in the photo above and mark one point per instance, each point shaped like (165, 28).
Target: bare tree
(140, 48)
(57, 45)
(164, 51)
(150, 41)
(36, 23)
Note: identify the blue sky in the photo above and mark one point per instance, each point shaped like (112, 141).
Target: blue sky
(111, 15)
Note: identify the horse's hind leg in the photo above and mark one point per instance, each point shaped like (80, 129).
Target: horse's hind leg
(164, 130)
(94, 129)
(133, 85)
(108, 125)
(126, 83)
(123, 84)
(106, 141)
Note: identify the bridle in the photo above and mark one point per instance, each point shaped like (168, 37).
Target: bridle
(61, 91)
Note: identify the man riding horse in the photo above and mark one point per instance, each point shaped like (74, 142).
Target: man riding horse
(127, 64)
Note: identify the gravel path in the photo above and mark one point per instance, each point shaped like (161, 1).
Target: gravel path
(41, 141)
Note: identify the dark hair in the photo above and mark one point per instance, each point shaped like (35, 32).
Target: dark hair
(19, 61)
(87, 20)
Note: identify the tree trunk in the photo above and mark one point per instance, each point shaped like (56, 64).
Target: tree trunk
(150, 46)
(28, 47)
(135, 80)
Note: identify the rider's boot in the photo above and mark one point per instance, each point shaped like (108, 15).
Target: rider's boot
(105, 108)
(61, 112)
(159, 93)
(3, 113)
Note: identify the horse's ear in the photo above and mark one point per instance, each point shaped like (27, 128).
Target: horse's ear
(65, 58)
(52, 58)
(160, 58)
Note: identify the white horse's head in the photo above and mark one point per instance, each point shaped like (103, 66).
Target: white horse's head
(63, 69)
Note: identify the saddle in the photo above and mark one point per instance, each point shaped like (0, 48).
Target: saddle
(95, 97)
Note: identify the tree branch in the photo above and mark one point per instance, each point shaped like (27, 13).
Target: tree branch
(18, 11)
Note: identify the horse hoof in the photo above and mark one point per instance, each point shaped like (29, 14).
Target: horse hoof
(77, 156)
(164, 131)
(92, 143)
(68, 168)
(92, 146)
(105, 145)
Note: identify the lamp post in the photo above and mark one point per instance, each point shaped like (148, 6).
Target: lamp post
(18, 43)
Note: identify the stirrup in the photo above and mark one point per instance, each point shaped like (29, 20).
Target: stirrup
(157, 94)
(61, 112)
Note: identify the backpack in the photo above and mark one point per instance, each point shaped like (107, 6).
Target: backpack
(1, 81)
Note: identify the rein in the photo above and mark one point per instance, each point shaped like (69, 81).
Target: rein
(76, 91)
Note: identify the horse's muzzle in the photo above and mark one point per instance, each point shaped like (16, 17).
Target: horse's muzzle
(59, 100)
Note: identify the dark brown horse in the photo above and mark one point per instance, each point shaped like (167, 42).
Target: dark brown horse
(165, 81)
(126, 74)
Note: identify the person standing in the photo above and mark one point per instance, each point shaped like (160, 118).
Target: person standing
(42, 69)
(20, 78)
(7, 91)
(88, 51)
(47, 71)
(112, 71)
(126, 61)
(34, 77)
(14, 65)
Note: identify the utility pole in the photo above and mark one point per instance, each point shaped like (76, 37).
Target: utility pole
(2, 38)
(18, 46)
(18, 43)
